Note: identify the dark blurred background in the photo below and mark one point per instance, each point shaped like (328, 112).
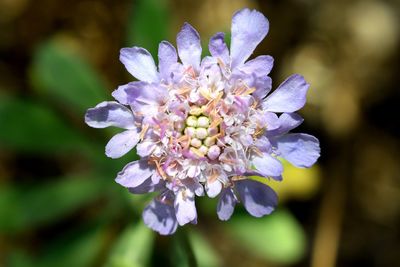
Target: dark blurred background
(59, 204)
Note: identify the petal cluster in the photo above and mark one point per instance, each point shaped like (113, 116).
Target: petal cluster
(205, 126)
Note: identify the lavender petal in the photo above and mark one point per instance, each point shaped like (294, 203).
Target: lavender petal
(108, 114)
(258, 198)
(260, 66)
(160, 217)
(134, 174)
(226, 204)
(290, 96)
(185, 208)
(189, 47)
(287, 122)
(139, 62)
(302, 150)
(122, 143)
(267, 165)
(167, 57)
(249, 27)
(218, 48)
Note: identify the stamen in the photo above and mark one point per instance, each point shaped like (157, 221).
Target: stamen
(143, 132)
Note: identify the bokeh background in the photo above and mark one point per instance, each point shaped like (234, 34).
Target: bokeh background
(60, 206)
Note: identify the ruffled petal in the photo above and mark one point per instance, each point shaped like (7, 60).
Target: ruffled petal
(122, 143)
(218, 48)
(160, 217)
(167, 57)
(267, 165)
(302, 150)
(226, 204)
(145, 148)
(287, 122)
(108, 114)
(290, 96)
(258, 198)
(248, 29)
(185, 208)
(263, 86)
(260, 66)
(189, 47)
(143, 97)
(134, 174)
(139, 62)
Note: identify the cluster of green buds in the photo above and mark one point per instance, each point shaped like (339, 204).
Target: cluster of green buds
(202, 135)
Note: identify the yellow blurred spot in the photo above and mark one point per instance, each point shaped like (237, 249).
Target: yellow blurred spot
(297, 183)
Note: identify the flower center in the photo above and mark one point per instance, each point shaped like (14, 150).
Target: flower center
(201, 135)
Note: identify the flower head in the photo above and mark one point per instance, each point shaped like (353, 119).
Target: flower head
(204, 127)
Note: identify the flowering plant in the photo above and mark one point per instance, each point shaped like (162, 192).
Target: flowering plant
(205, 126)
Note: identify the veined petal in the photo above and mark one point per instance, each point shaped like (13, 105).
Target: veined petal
(302, 150)
(226, 204)
(134, 174)
(185, 208)
(218, 48)
(139, 62)
(160, 217)
(290, 96)
(122, 143)
(260, 66)
(189, 47)
(287, 122)
(167, 57)
(248, 29)
(258, 198)
(108, 114)
(267, 165)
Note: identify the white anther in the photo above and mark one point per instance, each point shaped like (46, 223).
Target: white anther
(190, 131)
(201, 133)
(209, 141)
(195, 142)
(212, 131)
(203, 122)
(203, 149)
(191, 121)
(213, 152)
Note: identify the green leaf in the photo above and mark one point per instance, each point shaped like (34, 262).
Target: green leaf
(59, 73)
(24, 208)
(32, 127)
(277, 237)
(148, 25)
(133, 248)
(203, 251)
(78, 249)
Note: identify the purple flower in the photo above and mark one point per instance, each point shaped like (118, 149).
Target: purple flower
(204, 127)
